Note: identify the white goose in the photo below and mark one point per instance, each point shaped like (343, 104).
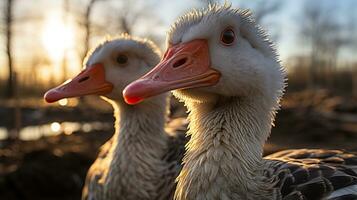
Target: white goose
(141, 160)
(226, 71)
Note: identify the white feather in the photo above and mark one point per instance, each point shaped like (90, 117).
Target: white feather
(131, 164)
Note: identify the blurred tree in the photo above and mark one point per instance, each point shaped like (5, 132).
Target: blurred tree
(351, 32)
(87, 27)
(66, 13)
(323, 33)
(27, 37)
(265, 8)
(8, 24)
(128, 17)
(123, 17)
(136, 17)
(262, 10)
(84, 21)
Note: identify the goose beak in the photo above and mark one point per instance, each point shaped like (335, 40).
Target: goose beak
(90, 81)
(184, 66)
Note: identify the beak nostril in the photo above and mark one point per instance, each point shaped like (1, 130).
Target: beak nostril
(179, 63)
(156, 77)
(83, 79)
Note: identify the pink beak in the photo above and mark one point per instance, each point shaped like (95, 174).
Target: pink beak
(184, 66)
(89, 81)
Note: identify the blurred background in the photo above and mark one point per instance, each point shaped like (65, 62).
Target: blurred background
(46, 149)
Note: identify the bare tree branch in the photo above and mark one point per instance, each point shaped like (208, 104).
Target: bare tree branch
(8, 12)
(87, 27)
(325, 36)
(266, 8)
(83, 20)
(130, 17)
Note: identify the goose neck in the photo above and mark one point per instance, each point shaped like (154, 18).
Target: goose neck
(226, 147)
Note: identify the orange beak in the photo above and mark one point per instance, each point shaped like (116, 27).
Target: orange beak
(89, 81)
(184, 66)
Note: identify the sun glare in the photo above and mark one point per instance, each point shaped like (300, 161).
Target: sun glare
(63, 102)
(56, 36)
(55, 127)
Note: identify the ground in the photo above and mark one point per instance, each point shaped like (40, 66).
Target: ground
(54, 167)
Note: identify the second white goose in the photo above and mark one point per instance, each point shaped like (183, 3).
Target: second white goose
(141, 160)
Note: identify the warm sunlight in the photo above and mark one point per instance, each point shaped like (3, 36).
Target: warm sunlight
(63, 102)
(57, 36)
(55, 127)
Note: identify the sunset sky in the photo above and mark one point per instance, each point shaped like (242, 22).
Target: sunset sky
(41, 32)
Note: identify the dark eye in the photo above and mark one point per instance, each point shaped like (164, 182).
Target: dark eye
(122, 59)
(227, 36)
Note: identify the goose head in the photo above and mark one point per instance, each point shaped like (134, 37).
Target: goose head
(109, 68)
(214, 53)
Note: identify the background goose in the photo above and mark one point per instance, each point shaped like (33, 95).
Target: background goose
(226, 71)
(141, 160)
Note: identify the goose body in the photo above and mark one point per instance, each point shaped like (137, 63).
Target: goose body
(226, 71)
(137, 162)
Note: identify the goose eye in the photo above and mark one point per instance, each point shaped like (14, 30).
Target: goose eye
(122, 59)
(227, 37)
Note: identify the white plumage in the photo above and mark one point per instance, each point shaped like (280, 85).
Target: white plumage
(140, 161)
(136, 163)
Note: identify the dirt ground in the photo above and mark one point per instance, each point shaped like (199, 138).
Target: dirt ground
(55, 167)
